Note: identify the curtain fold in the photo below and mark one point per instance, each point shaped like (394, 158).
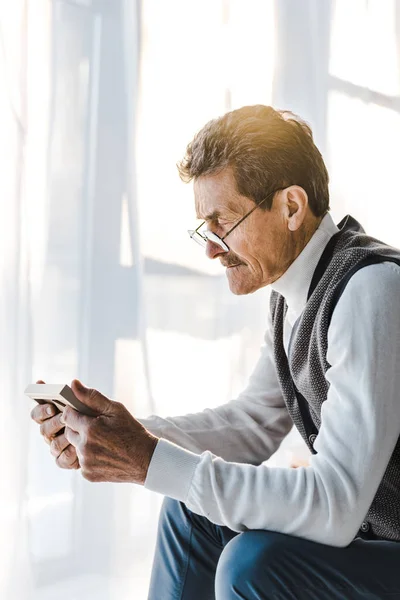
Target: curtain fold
(15, 300)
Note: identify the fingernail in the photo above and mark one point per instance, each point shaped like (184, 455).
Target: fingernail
(62, 419)
(49, 410)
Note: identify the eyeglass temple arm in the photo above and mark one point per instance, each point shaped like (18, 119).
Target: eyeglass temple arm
(242, 219)
(201, 225)
(249, 213)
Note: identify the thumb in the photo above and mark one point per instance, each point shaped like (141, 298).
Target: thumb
(92, 398)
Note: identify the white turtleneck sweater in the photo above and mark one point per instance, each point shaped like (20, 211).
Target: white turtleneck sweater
(211, 460)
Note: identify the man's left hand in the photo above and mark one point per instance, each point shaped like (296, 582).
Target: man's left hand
(113, 446)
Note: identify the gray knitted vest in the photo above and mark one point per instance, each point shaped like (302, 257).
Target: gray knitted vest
(302, 376)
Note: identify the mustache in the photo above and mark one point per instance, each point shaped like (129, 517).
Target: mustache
(231, 262)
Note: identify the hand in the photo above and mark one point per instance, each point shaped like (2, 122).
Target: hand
(52, 429)
(113, 446)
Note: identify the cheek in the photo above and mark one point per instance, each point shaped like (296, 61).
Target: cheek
(258, 262)
(260, 252)
(243, 250)
(262, 266)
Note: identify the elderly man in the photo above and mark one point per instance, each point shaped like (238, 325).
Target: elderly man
(232, 527)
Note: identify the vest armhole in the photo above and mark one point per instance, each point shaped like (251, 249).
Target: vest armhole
(365, 262)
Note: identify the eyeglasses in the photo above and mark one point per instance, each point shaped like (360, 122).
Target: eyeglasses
(202, 237)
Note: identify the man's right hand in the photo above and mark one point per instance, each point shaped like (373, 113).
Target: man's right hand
(48, 417)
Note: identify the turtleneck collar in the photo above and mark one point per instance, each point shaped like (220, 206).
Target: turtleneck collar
(293, 285)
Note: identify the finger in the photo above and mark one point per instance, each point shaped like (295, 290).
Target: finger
(52, 426)
(68, 459)
(92, 398)
(42, 412)
(58, 445)
(40, 381)
(75, 420)
(72, 436)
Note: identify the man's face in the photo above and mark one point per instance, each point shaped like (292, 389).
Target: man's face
(262, 247)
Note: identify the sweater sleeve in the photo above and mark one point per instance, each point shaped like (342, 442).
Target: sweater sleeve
(327, 501)
(246, 430)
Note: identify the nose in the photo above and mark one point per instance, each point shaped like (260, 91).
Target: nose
(213, 250)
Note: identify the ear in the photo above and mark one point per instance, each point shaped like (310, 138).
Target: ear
(296, 203)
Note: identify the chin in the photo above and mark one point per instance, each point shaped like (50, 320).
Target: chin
(242, 291)
(240, 287)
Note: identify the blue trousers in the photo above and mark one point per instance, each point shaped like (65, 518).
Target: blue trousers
(197, 560)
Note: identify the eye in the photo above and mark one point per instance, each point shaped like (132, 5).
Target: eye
(223, 222)
(218, 225)
(221, 227)
(213, 224)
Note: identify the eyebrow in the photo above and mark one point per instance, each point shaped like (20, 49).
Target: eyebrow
(211, 217)
(216, 214)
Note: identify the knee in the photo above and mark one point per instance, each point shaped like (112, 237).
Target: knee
(252, 561)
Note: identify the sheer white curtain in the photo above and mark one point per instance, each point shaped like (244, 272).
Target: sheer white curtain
(64, 203)
(338, 65)
(22, 232)
(98, 278)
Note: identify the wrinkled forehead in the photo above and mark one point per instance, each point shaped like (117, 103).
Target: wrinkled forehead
(216, 195)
